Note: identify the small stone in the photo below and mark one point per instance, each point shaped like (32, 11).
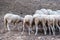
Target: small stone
(52, 38)
(39, 37)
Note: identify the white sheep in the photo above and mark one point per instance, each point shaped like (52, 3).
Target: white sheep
(28, 19)
(58, 11)
(53, 19)
(12, 18)
(57, 20)
(43, 19)
(39, 18)
(44, 11)
(49, 11)
(36, 19)
(51, 23)
(38, 12)
(57, 15)
(50, 19)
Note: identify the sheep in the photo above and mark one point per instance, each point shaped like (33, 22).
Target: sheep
(53, 19)
(38, 12)
(49, 11)
(28, 19)
(57, 15)
(36, 19)
(57, 20)
(40, 16)
(50, 19)
(51, 23)
(42, 19)
(44, 11)
(58, 11)
(11, 18)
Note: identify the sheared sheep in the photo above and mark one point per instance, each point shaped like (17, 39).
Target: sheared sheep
(50, 19)
(28, 19)
(39, 18)
(12, 18)
(38, 12)
(58, 11)
(44, 11)
(57, 20)
(51, 23)
(36, 19)
(49, 11)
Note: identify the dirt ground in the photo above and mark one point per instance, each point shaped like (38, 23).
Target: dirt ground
(15, 35)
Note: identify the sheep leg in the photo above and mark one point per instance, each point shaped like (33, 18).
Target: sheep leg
(49, 30)
(49, 27)
(44, 28)
(23, 26)
(58, 26)
(8, 26)
(14, 25)
(59, 29)
(53, 30)
(5, 23)
(36, 29)
(29, 30)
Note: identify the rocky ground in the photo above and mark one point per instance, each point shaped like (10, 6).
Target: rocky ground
(14, 35)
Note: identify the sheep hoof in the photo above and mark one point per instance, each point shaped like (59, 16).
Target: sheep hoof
(35, 33)
(22, 32)
(54, 34)
(45, 33)
(29, 33)
(9, 30)
(49, 33)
